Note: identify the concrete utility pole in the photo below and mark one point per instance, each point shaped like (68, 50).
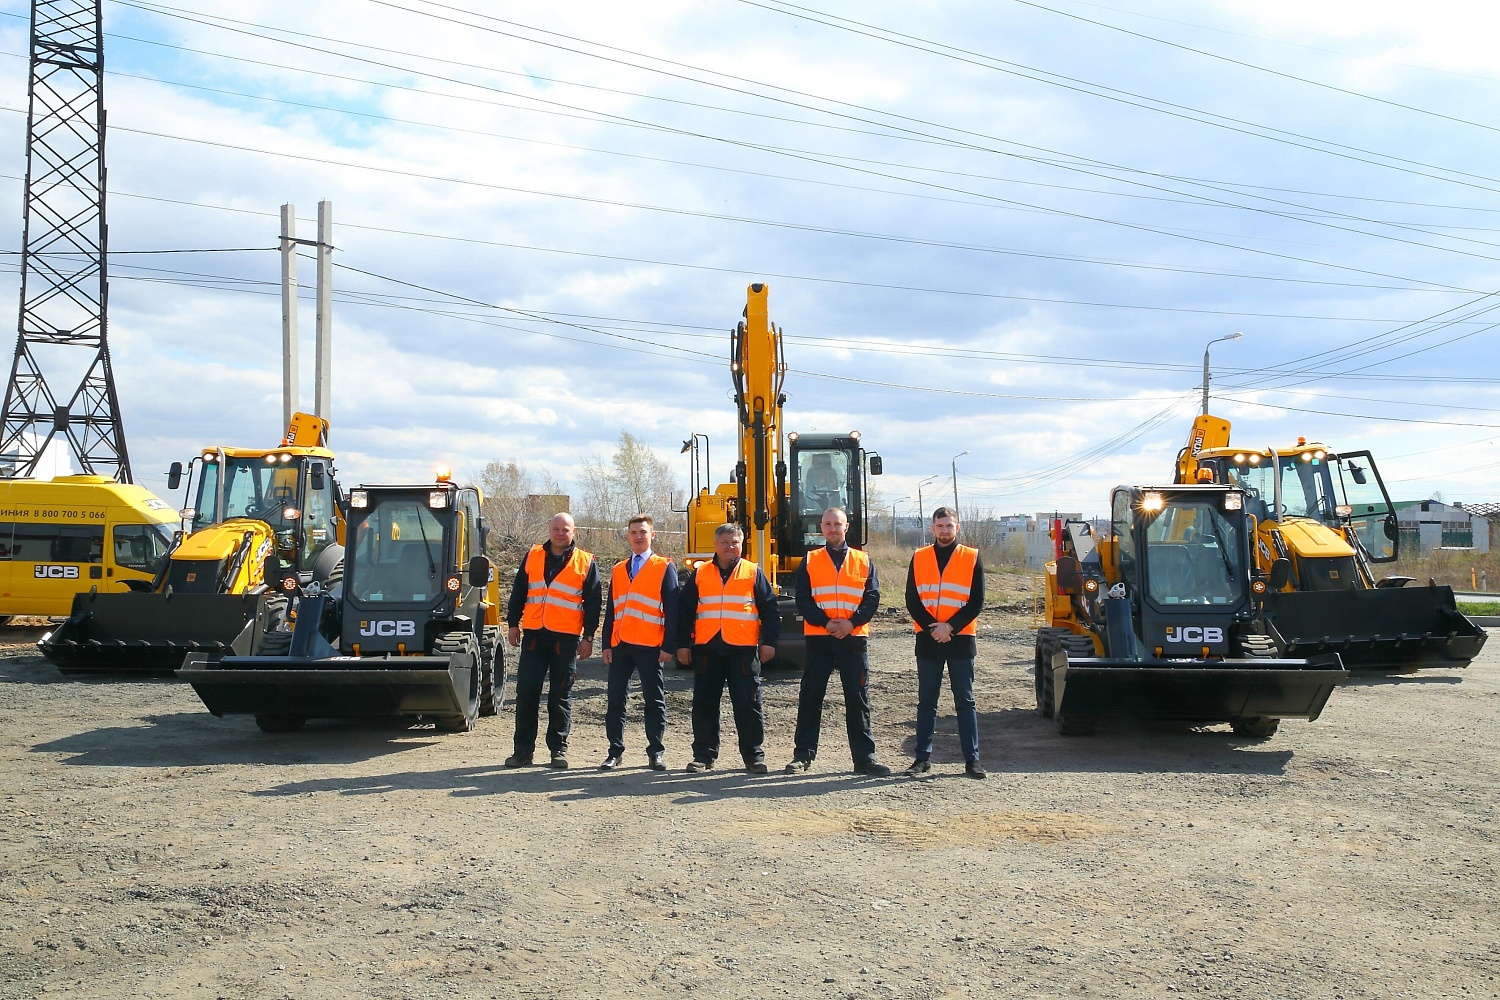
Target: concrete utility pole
(289, 361)
(955, 480)
(323, 387)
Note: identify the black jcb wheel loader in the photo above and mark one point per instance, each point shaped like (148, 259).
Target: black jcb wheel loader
(1162, 619)
(410, 631)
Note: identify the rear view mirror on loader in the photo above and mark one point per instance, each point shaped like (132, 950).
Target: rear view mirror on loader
(479, 571)
(1392, 529)
(318, 477)
(877, 466)
(1281, 573)
(174, 476)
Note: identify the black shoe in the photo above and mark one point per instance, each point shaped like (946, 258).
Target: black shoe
(872, 768)
(797, 765)
(757, 767)
(611, 762)
(919, 767)
(974, 770)
(560, 760)
(701, 765)
(518, 760)
(656, 762)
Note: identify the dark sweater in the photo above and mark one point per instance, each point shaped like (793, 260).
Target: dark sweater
(593, 595)
(962, 646)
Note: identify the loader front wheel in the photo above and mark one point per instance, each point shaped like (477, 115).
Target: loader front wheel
(1255, 728)
(1046, 643)
(492, 675)
(274, 644)
(279, 723)
(461, 645)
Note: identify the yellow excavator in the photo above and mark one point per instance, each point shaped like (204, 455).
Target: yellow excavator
(253, 507)
(782, 482)
(1328, 514)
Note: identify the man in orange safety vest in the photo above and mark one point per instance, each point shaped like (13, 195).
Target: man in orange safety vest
(640, 636)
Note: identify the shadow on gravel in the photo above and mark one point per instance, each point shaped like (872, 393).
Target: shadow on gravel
(581, 784)
(1018, 740)
(189, 739)
(1372, 680)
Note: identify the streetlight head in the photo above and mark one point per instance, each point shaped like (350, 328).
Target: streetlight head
(1236, 335)
(960, 455)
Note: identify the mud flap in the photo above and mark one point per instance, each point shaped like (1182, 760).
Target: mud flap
(343, 687)
(147, 633)
(1388, 628)
(1194, 691)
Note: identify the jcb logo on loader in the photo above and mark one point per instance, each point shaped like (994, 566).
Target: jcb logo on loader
(43, 572)
(1194, 634)
(387, 627)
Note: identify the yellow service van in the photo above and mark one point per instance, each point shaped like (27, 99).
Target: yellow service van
(62, 536)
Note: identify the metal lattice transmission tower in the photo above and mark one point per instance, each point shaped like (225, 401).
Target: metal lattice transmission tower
(64, 282)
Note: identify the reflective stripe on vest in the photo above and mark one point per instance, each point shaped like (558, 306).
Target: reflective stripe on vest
(944, 594)
(837, 592)
(727, 606)
(555, 606)
(640, 618)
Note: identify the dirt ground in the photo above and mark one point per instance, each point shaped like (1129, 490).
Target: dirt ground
(150, 849)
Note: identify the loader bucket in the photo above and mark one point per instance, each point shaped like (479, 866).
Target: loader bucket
(340, 687)
(1388, 628)
(146, 633)
(1198, 691)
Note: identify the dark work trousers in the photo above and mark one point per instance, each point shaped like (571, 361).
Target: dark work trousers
(644, 660)
(741, 671)
(851, 658)
(930, 686)
(553, 662)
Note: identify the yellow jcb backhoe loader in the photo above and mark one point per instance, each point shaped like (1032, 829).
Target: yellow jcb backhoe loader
(1329, 515)
(252, 505)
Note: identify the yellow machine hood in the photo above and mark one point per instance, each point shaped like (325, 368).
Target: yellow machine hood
(1310, 540)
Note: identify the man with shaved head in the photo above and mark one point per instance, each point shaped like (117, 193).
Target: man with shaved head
(838, 594)
(552, 614)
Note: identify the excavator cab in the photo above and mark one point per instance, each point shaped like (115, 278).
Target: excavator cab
(827, 470)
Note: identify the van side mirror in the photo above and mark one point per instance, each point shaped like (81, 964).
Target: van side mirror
(1281, 574)
(877, 465)
(479, 571)
(319, 477)
(174, 476)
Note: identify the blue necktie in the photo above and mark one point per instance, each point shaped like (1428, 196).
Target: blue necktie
(635, 566)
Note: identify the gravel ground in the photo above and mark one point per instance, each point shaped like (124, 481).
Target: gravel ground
(150, 849)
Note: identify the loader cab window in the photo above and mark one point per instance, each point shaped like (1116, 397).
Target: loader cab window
(1122, 527)
(141, 547)
(1194, 555)
(1258, 481)
(252, 488)
(823, 478)
(398, 552)
(1306, 487)
(318, 528)
(1369, 505)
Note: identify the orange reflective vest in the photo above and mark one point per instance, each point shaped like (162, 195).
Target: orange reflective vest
(555, 606)
(943, 594)
(640, 618)
(727, 606)
(837, 591)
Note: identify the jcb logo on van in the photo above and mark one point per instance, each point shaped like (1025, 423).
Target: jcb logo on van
(387, 627)
(49, 572)
(1195, 634)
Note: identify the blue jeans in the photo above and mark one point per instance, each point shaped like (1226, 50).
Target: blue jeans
(929, 686)
(553, 663)
(645, 660)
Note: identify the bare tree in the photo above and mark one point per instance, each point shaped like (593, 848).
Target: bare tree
(634, 480)
(516, 508)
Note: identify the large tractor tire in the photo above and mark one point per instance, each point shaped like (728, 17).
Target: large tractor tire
(1077, 647)
(492, 672)
(461, 644)
(1255, 728)
(1046, 643)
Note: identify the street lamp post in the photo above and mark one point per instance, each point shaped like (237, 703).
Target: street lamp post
(1233, 336)
(955, 479)
(894, 540)
(921, 510)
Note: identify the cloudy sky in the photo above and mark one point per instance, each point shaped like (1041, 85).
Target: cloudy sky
(999, 227)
